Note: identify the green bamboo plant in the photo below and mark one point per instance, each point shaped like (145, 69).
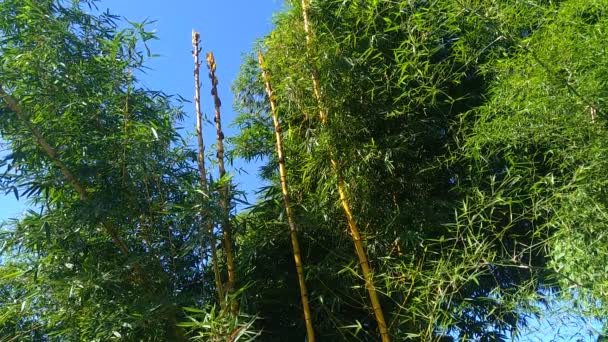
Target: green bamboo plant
(51, 153)
(464, 140)
(341, 186)
(87, 147)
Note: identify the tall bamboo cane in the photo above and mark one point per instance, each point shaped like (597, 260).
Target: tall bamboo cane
(225, 195)
(201, 163)
(352, 224)
(293, 231)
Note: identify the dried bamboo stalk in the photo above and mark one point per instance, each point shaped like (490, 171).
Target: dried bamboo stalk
(352, 224)
(293, 231)
(225, 195)
(201, 163)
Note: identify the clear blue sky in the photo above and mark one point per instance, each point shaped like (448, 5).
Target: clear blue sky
(228, 28)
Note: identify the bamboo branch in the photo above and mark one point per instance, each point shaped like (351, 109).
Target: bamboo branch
(22, 114)
(16, 107)
(225, 196)
(293, 231)
(352, 224)
(201, 163)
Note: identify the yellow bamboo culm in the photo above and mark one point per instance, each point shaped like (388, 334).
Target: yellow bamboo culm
(293, 231)
(225, 195)
(201, 163)
(352, 224)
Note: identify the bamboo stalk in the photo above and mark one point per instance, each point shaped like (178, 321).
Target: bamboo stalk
(293, 231)
(201, 163)
(224, 198)
(352, 224)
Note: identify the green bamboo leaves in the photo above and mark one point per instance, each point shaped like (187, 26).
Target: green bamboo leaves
(458, 145)
(102, 245)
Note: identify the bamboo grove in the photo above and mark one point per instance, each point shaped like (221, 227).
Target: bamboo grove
(432, 171)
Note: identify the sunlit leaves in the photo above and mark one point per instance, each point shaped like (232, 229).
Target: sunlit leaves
(75, 75)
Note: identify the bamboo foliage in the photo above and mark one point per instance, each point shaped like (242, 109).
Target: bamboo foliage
(139, 276)
(16, 107)
(471, 150)
(352, 224)
(50, 151)
(225, 194)
(293, 231)
(201, 163)
(108, 178)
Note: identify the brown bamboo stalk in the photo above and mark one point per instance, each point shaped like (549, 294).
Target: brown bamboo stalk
(224, 198)
(293, 231)
(352, 224)
(201, 163)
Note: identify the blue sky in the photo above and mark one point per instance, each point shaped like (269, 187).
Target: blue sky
(229, 28)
